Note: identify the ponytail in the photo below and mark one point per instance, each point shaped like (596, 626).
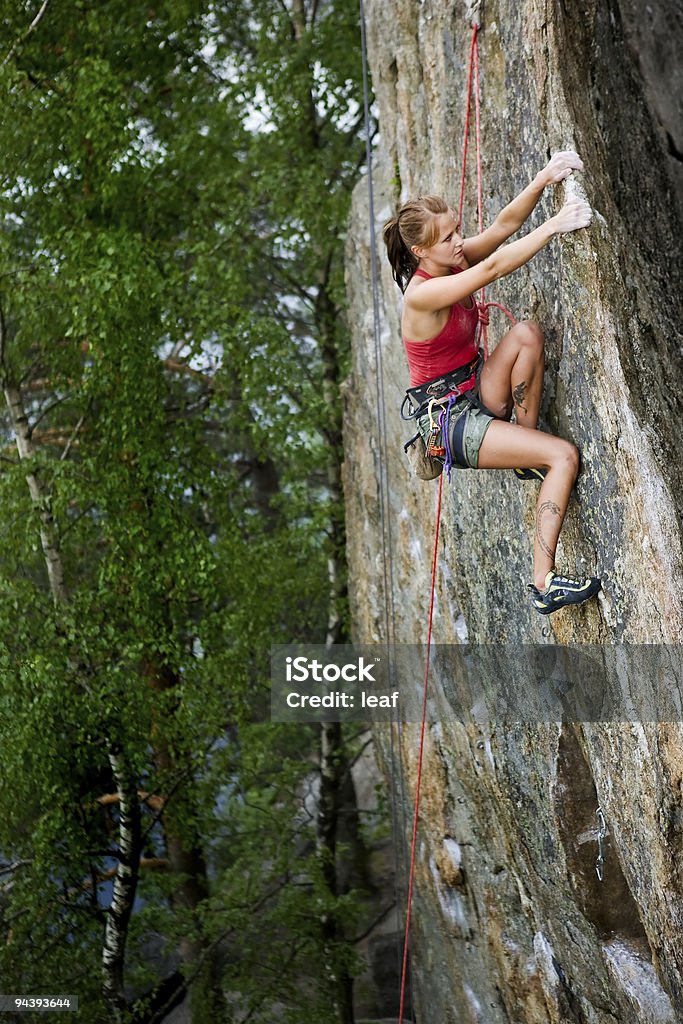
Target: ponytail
(403, 261)
(414, 224)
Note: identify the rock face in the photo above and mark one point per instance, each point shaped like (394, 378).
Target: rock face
(511, 922)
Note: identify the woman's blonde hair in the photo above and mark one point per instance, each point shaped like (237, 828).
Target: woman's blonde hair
(414, 224)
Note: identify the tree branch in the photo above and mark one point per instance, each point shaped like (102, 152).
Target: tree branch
(32, 27)
(150, 799)
(164, 998)
(39, 496)
(378, 920)
(8, 869)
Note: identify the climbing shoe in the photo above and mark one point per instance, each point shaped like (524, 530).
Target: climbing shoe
(530, 474)
(561, 591)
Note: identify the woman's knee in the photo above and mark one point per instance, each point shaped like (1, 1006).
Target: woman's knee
(529, 335)
(565, 456)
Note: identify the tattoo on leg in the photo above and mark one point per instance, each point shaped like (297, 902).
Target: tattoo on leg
(519, 395)
(548, 507)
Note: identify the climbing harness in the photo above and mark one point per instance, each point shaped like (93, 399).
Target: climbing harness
(429, 456)
(417, 399)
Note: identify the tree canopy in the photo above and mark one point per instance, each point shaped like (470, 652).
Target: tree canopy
(173, 195)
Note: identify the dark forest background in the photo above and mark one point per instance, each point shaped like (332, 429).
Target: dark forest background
(174, 186)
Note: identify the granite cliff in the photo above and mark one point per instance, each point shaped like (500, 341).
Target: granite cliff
(511, 921)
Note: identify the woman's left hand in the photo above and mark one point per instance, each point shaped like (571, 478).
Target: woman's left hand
(561, 166)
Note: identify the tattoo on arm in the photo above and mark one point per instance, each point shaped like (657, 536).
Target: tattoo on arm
(519, 395)
(545, 509)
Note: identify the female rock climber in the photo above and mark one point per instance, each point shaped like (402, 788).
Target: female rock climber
(438, 272)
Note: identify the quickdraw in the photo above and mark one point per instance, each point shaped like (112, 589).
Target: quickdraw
(435, 445)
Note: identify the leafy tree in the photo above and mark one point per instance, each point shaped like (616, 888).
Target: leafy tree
(171, 343)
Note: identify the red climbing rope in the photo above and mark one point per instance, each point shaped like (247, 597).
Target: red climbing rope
(507, 312)
(466, 134)
(483, 318)
(473, 75)
(411, 875)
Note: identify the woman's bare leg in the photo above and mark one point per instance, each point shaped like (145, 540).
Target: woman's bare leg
(509, 446)
(513, 375)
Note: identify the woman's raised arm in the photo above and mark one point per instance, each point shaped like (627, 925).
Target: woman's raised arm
(511, 218)
(439, 292)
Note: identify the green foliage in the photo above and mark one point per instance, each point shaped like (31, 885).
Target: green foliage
(171, 295)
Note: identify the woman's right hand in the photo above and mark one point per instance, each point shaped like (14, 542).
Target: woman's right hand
(575, 214)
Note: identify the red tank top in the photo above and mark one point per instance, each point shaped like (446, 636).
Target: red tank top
(452, 347)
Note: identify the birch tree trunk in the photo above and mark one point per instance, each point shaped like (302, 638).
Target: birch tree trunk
(39, 496)
(124, 890)
(129, 850)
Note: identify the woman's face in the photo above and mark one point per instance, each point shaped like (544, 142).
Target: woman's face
(447, 250)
